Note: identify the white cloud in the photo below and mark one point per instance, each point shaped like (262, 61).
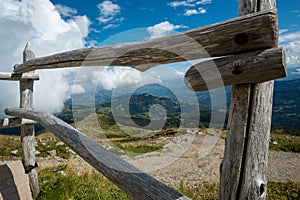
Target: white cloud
(291, 43)
(204, 2)
(194, 12)
(296, 72)
(191, 3)
(110, 78)
(77, 89)
(176, 4)
(108, 11)
(65, 11)
(39, 22)
(162, 29)
(188, 3)
(191, 12)
(281, 31)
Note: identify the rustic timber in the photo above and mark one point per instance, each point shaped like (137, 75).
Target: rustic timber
(14, 182)
(15, 122)
(253, 67)
(243, 34)
(27, 131)
(16, 77)
(132, 180)
(244, 164)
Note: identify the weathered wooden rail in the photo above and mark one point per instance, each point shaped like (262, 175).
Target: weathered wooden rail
(132, 180)
(250, 61)
(243, 34)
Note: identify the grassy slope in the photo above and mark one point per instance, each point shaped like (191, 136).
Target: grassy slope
(65, 184)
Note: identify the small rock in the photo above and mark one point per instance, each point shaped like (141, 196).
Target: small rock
(52, 153)
(275, 143)
(37, 152)
(59, 144)
(14, 152)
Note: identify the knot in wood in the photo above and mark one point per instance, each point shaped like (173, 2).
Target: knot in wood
(236, 65)
(241, 38)
(16, 66)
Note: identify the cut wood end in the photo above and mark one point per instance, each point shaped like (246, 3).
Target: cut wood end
(28, 47)
(252, 67)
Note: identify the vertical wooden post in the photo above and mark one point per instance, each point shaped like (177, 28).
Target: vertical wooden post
(244, 164)
(27, 131)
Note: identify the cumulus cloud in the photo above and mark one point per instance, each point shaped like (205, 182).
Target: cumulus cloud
(110, 78)
(291, 43)
(162, 29)
(108, 14)
(39, 22)
(65, 11)
(194, 12)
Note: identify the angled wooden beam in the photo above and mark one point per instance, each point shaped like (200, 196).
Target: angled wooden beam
(17, 77)
(15, 122)
(253, 67)
(242, 34)
(132, 180)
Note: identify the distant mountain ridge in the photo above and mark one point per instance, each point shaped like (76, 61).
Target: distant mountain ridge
(286, 105)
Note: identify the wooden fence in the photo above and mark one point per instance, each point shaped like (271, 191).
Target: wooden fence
(250, 60)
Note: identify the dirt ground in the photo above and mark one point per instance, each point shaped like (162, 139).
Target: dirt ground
(192, 159)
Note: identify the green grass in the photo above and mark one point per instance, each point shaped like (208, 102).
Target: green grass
(138, 149)
(61, 150)
(70, 186)
(284, 191)
(92, 186)
(285, 143)
(205, 191)
(8, 144)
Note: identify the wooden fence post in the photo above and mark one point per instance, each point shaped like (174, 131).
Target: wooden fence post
(27, 131)
(244, 164)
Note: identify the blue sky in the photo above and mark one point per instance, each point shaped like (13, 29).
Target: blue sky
(184, 14)
(54, 26)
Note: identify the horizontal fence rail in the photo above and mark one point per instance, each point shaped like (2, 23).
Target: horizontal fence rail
(253, 67)
(132, 180)
(15, 122)
(17, 77)
(243, 34)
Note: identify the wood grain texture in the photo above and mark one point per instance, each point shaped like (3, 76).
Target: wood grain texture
(247, 33)
(132, 180)
(14, 182)
(27, 131)
(244, 164)
(16, 77)
(15, 122)
(253, 67)
(235, 142)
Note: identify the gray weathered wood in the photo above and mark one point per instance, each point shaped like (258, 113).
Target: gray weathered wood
(15, 122)
(246, 33)
(16, 77)
(27, 131)
(253, 67)
(244, 164)
(132, 180)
